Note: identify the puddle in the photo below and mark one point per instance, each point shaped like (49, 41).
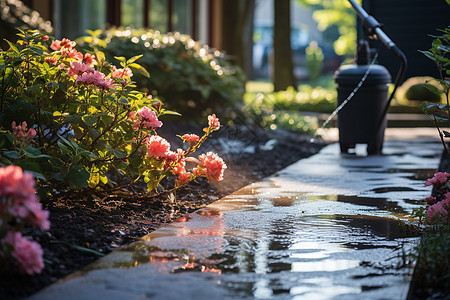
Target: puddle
(392, 189)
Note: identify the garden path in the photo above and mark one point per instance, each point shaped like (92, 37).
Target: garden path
(329, 226)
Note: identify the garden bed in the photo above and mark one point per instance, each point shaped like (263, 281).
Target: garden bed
(84, 228)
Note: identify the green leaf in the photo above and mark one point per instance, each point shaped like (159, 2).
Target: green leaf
(119, 154)
(5, 161)
(71, 144)
(140, 69)
(90, 120)
(121, 59)
(11, 154)
(170, 112)
(78, 177)
(79, 248)
(13, 46)
(100, 56)
(37, 175)
(94, 33)
(34, 153)
(133, 59)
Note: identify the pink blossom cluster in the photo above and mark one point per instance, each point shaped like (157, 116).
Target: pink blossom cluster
(439, 209)
(213, 122)
(82, 66)
(97, 79)
(121, 73)
(144, 118)
(211, 166)
(19, 202)
(28, 254)
(438, 179)
(21, 134)
(192, 139)
(77, 68)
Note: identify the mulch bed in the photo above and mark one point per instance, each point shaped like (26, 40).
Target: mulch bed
(103, 225)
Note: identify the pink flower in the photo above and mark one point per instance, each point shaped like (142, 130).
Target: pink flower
(21, 133)
(89, 59)
(438, 179)
(51, 60)
(211, 166)
(144, 117)
(157, 146)
(37, 216)
(436, 211)
(72, 53)
(132, 115)
(430, 200)
(96, 78)
(55, 45)
(192, 139)
(18, 188)
(27, 253)
(120, 73)
(183, 178)
(78, 68)
(181, 165)
(213, 122)
(148, 118)
(64, 43)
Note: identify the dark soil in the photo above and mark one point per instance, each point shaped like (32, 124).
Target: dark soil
(81, 224)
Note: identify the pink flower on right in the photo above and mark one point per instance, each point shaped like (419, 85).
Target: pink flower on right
(438, 179)
(215, 167)
(213, 122)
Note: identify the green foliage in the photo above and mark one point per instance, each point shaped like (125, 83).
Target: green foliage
(187, 75)
(439, 53)
(314, 60)
(433, 259)
(289, 109)
(337, 20)
(423, 92)
(89, 128)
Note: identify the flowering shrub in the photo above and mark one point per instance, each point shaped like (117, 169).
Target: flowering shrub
(438, 206)
(187, 75)
(19, 206)
(83, 125)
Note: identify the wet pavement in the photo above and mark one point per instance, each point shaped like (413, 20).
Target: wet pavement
(330, 226)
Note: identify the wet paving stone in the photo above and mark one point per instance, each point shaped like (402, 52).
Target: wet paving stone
(330, 226)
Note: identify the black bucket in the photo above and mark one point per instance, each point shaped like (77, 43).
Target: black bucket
(358, 119)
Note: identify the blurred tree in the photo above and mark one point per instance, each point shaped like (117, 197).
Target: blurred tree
(237, 31)
(283, 69)
(337, 20)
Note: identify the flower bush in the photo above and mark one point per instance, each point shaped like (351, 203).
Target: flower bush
(186, 74)
(438, 206)
(83, 124)
(19, 206)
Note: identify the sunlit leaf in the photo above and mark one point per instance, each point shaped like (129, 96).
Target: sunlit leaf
(13, 46)
(133, 59)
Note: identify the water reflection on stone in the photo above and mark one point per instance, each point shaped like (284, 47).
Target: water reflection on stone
(313, 231)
